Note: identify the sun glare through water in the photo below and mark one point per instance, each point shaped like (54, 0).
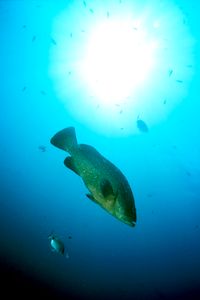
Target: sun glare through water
(121, 61)
(118, 59)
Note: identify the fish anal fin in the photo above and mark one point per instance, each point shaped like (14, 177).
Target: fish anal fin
(68, 162)
(106, 188)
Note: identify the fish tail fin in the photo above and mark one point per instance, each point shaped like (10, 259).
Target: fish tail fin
(65, 139)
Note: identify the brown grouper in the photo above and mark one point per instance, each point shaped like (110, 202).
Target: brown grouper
(107, 186)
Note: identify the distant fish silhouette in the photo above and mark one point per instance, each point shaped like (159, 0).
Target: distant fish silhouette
(24, 88)
(42, 148)
(56, 244)
(142, 126)
(53, 41)
(34, 38)
(170, 72)
(43, 92)
(188, 173)
(165, 101)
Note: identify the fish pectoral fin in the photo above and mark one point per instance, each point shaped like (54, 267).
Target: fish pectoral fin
(91, 197)
(68, 162)
(106, 188)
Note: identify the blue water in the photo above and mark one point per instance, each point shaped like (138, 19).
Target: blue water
(157, 259)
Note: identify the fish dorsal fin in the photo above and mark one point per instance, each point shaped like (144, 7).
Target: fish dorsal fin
(68, 162)
(106, 188)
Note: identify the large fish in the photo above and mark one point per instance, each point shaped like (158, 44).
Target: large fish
(107, 185)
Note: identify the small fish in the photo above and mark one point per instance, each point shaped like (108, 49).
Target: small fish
(43, 92)
(142, 126)
(188, 173)
(170, 72)
(24, 88)
(34, 38)
(179, 81)
(84, 3)
(108, 14)
(149, 195)
(184, 21)
(71, 34)
(69, 237)
(42, 148)
(165, 101)
(56, 244)
(53, 42)
(91, 10)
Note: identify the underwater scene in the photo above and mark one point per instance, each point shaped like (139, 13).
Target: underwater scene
(100, 149)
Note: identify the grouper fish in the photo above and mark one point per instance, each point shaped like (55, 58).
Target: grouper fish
(106, 184)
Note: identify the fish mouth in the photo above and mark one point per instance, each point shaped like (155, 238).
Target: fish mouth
(130, 223)
(127, 221)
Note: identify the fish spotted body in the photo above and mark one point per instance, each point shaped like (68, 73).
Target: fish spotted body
(107, 186)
